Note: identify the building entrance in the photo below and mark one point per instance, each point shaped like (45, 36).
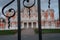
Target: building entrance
(29, 24)
(25, 25)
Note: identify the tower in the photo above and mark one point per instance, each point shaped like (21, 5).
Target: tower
(49, 15)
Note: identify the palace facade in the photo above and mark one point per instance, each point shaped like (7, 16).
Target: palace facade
(47, 18)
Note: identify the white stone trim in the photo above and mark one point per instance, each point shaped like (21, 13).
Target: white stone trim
(32, 24)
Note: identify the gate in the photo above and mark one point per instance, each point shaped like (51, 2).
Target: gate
(44, 19)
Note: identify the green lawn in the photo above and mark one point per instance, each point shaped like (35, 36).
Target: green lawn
(48, 30)
(8, 32)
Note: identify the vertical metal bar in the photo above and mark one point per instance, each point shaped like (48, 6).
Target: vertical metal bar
(49, 4)
(39, 19)
(19, 20)
(29, 12)
(59, 8)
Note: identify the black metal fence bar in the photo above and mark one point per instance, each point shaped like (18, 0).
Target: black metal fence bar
(59, 9)
(19, 20)
(39, 19)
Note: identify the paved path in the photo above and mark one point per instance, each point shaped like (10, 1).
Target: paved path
(8, 37)
(28, 34)
(53, 36)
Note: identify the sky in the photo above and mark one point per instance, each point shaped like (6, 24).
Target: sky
(54, 5)
(44, 5)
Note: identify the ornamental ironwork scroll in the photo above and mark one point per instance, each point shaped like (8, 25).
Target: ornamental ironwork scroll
(10, 10)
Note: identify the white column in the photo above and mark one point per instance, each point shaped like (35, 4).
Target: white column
(36, 24)
(32, 24)
(22, 25)
(27, 25)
